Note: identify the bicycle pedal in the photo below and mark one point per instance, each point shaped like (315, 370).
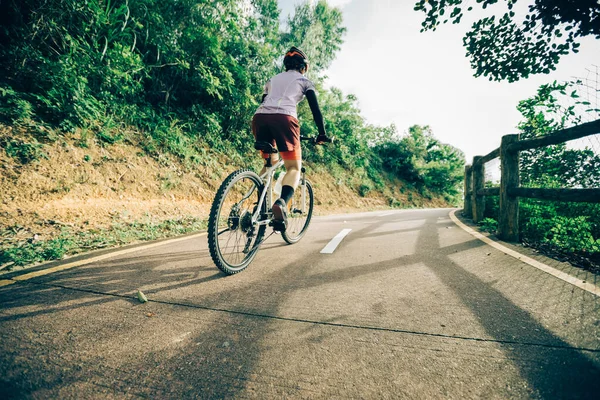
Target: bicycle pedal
(279, 226)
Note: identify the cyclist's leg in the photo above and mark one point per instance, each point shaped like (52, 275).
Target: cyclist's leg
(285, 131)
(292, 154)
(293, 163)
(292, 171)
(274, 159)
(262, 131)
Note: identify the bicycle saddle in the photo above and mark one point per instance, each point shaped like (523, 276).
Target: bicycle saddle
(265, 147)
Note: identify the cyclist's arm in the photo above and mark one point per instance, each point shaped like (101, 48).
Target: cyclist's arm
(311, 97)
(266, 91)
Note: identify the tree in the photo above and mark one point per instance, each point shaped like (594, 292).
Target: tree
(318, 31)
(566, 225)
(502, 49)
(419, 158)
(198, 61)
(444, 168)
(343, 121)
(557, 165)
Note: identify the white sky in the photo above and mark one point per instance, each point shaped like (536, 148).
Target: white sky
(406, 77)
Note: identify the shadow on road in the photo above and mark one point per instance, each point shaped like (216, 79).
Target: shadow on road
(107, 277)
(223, 361)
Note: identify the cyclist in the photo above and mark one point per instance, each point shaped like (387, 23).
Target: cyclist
(276, 122)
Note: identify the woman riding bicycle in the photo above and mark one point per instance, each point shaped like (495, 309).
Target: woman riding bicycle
(276, 122)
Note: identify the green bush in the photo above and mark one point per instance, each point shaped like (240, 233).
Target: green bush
(37, 251)
(492, 205)
(569, 227)
(364, 189)
(572, 235)
(488, 225)
(419, 158)
(14, 109)
(25, 152)
(69, 242)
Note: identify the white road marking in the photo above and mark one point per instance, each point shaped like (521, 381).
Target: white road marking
(386, 214)
(181, 337)
(588, 287)
(330, 248)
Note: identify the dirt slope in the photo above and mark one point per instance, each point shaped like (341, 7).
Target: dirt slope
(92, 187)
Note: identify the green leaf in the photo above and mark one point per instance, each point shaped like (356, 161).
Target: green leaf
(141, 297)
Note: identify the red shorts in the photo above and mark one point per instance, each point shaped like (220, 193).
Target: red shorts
(281, 130)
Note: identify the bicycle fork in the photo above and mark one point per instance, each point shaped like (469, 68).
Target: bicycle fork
(300, 208)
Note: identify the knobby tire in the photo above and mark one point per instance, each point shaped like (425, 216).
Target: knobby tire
(294, 233)
(218, 236)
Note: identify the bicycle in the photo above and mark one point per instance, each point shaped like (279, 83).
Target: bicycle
(241, 213)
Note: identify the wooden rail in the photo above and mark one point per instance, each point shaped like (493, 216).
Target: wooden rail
(574, 195)
(509, 190)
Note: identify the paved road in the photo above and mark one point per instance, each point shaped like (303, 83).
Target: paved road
(408, 306)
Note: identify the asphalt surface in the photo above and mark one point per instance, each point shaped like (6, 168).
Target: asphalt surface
(408, 305)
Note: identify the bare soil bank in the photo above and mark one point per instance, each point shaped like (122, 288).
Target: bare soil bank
(95, 186)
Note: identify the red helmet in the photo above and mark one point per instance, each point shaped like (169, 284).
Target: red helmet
(295, 59)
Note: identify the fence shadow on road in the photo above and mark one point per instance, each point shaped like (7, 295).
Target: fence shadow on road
(551, 366)
(118, 278)
(223, 360)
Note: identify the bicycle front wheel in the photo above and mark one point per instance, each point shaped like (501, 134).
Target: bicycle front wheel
(299, 213)
(233, 238)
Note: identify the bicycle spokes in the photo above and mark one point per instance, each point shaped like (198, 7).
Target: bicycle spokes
(232, 231)
(299, 213)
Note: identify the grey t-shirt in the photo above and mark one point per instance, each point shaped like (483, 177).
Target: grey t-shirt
(284, 91)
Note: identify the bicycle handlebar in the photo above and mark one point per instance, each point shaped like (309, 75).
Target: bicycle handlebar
(313, 139)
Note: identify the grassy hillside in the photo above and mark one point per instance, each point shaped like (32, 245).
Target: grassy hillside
(77, 193)
(120, 120)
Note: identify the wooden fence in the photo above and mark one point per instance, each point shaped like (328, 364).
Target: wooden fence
(509, 190)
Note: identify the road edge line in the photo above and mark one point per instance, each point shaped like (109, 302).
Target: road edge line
(588, 287)
(63, 267)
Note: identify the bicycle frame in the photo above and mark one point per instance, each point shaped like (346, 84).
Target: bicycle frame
(267, 178)
(248, 218)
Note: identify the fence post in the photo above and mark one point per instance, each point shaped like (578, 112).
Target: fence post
(508, 220)
(467, 210)
(478, 184)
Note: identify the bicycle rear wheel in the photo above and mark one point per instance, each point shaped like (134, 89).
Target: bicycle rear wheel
(299, 213)
(233, 239)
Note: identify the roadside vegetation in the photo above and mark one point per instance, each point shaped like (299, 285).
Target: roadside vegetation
(72, 241)
(505, 45)
(92, 93)
(565, 230)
